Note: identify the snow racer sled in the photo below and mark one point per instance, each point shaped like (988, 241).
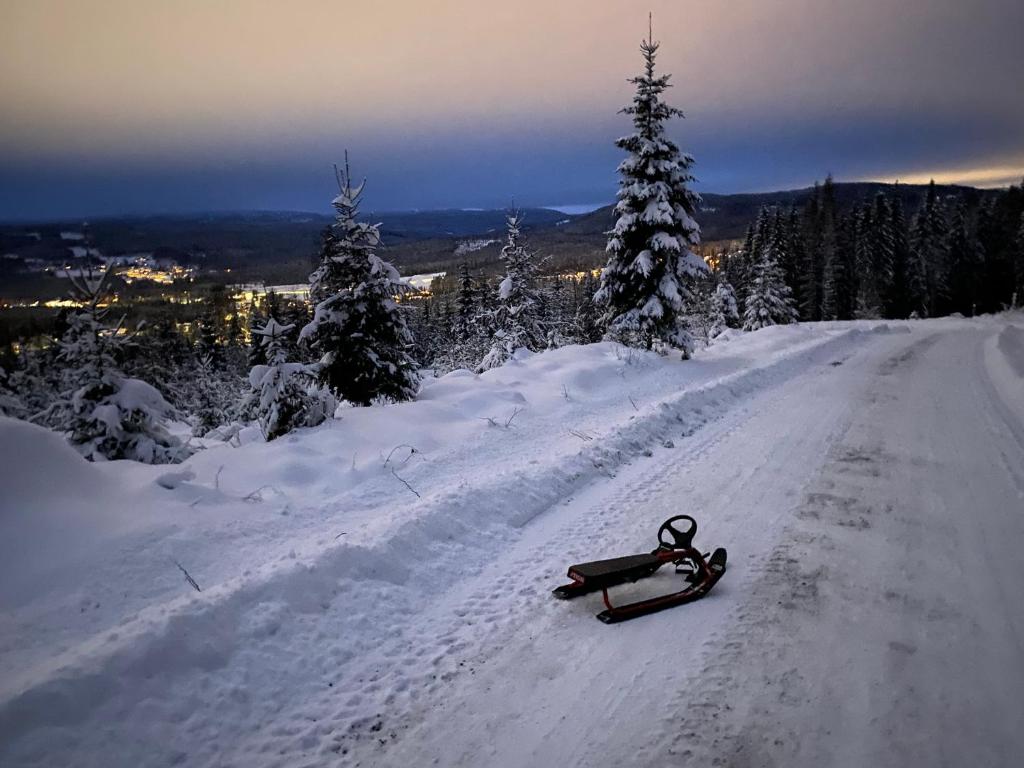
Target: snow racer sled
(675, 545)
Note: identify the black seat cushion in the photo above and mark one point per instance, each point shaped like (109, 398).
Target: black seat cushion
(615, 570)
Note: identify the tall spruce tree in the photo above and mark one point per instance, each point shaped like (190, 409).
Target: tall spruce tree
(468, 343)
(812, 267)
(358, 328)
(964, 260)
(928, 256)
(835, 244)
(645, 285)
(739, 274)
(865, 247)
(874, 257)
(516, 321)
(898, 304)
(796, 260)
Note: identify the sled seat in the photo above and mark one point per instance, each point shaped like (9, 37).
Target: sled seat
(601, 573)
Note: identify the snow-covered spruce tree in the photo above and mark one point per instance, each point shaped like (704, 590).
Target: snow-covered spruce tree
(467, 304)
(645, 285)
(358, 328)
(36, 380)
(874, 257)
(284, 395)
(726, 314)
(214, 392)
(700, 316)
(733, 271)
(105, 414)
(425, 348)
(516, 319)
(555, 312)
(467, 343)
(768, 297)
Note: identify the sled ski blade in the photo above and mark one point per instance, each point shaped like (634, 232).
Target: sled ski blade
(715, 570)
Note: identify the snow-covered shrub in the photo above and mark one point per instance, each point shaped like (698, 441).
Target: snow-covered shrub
(284, 396)
(105, 414)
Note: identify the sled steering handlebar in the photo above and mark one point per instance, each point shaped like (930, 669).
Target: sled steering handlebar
(680, 539)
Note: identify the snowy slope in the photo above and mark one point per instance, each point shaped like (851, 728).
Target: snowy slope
(343, 617)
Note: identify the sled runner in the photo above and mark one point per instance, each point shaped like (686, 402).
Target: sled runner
(675, 545)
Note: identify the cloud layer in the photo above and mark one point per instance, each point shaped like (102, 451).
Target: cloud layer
(111, 105)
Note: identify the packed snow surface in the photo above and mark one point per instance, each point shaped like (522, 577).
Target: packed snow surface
(375, 591)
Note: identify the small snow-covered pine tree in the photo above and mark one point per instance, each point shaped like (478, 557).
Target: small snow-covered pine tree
(645, 285)
(105, 414)
(768, 297)
(467, 303)
(468, 343)
(516, 319)
(284, 395)
(213, 392)
(726, 314)
(358, 328)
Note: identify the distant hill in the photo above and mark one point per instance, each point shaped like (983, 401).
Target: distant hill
(276, 246)
(281, 246)
(726, 217)
(402, 226)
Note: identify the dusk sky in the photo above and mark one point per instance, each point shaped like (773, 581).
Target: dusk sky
(144, 106)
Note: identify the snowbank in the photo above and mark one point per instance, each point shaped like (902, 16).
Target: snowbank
(1004, 360)
(55, 507)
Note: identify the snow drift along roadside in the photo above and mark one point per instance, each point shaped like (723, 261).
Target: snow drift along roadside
(441, 537)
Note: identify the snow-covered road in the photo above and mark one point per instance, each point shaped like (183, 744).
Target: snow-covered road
(870, 494)
(871, 615)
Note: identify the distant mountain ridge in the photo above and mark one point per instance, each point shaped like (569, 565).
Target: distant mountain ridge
(281, 246)
(726, 217)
